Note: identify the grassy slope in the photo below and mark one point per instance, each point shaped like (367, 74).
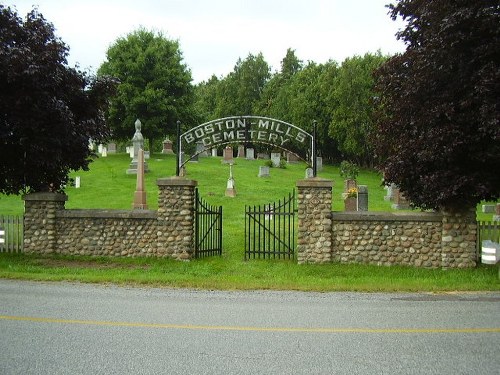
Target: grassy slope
(107, 186)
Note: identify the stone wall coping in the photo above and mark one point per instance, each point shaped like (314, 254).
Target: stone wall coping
(108, 214)
(46, 196)
(176, 181)
(316, 182)
(387, 216)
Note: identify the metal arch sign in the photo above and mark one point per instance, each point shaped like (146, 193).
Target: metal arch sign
(249, 129)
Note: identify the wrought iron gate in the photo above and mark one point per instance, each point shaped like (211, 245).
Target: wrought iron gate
(270, 230)
(207, 228)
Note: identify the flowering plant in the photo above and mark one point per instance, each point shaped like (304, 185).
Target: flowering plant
(352, 193)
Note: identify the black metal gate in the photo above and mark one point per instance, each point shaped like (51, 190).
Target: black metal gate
(207, 228)
(270, 230)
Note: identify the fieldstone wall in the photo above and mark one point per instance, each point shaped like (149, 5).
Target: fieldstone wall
(419, 239)
(169, 232)
(412, 239)
(107, 233)
(458, 242)
(314, 240)
(40, 221)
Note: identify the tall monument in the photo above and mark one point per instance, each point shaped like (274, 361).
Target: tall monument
(138, 144)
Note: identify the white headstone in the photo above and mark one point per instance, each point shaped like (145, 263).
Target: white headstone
(264, 171)
(77, 182)
(250, 154)
(214, 152)
(309, 173)
(275, 158)
(104, 151)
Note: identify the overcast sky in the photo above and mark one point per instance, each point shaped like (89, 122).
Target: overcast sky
(213, 34)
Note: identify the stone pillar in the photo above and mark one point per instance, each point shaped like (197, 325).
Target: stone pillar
(314, 243)
(175, 234)
(458, 239)
(40, 221)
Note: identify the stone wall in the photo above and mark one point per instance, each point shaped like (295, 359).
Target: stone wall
(50, 228)
(107, 233)
(420, 239)
(412, 239)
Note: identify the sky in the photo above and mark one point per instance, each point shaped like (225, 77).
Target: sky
(213, 34)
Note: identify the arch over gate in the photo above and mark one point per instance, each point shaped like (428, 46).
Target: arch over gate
(249, 129)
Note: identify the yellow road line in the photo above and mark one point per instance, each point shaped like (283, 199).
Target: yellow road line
(256, 329)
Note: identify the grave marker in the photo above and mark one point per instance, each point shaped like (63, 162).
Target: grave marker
(241, 151)
(250, 155)
(362, 198)
(276, 158)
(264, 171)
(167, 147)
(228, 155)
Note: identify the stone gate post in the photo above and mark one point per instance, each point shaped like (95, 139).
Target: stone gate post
(458, 239)
(40, 224)
(176, 200)
(314, 243)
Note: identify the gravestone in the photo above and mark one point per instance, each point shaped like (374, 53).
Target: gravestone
(263, 171)
(263, 156)
(362, 198)
(138, 144)
(130, 151)
(201, 150)
(276, 158)
(167, 147)
(400, 202)
(390, 192)
(104, 151)
(228, 155)
(214, 152)
(291, 158)
(309, 173)
(319, 163)
(77, 182)
(350, 184)
(231, 186)
(250, 155)
(99, 148)
(112, 148)
(488, 208)
(241, 151)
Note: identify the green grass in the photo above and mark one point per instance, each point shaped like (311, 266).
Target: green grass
(107, 185)
(222, 274)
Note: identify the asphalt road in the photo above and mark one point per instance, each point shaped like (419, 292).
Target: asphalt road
(66, 328)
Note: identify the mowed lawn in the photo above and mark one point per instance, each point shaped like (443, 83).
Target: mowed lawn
(108, 186)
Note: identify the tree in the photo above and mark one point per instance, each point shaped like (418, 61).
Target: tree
(351, 99)
(48, 111)
(439, 134)
(205, 103)
(241, 89)
(155, 85)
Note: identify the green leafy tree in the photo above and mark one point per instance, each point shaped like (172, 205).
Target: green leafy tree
(275, 99)
(438, 135)
(155, 85)
(205, 103)
(352, 122)
(48, 111)
(241, 89)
